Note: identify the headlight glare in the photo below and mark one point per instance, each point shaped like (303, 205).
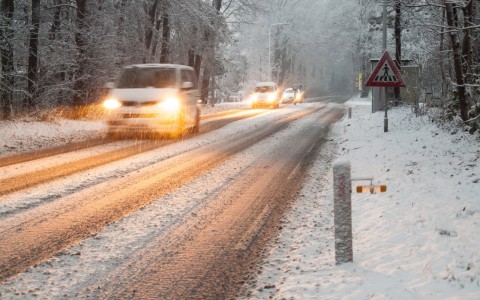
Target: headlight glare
(170, 104)
(112, 103)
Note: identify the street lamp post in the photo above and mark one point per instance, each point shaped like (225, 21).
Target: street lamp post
(269, 48)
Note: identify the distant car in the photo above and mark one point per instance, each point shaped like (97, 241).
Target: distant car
(266, 94)
(299, 95)
(288, 95)
(235, 97)
(157, 98)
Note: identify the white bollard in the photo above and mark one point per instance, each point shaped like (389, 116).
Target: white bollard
(342, 207)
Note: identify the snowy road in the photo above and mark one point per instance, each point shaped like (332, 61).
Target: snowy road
(212, 201)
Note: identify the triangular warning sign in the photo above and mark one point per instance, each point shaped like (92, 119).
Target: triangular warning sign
(386, 73)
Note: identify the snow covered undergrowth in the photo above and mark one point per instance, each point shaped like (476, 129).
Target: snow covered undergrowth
(27, 135)
(419, 240)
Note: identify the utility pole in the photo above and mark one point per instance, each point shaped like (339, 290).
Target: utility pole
(385, 120)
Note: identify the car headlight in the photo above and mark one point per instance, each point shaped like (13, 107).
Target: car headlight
(253, 98)
(170, 104)
(112, 103)
(272, 97)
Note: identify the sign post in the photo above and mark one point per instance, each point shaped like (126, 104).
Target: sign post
(385, 74)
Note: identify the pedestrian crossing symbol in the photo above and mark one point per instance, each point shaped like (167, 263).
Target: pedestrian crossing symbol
(386, 73)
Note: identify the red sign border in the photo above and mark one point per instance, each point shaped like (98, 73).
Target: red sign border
(386, 57)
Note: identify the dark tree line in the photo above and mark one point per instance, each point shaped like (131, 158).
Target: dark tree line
(60, 53)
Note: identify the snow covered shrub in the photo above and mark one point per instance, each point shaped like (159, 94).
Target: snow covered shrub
(452, 109)
(474, 115)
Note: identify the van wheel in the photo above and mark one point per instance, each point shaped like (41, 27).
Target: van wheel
(196, 127)
(180, 126)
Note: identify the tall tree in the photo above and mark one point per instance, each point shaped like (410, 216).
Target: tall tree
(398, 42)
(209, 69)
(150, 26)
(32, 72)
(165, 33)
(467, 50)
(6, 53)
(56, 19)
(457, 59)
(80, 86)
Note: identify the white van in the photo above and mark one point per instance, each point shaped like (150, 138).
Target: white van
(266, 94)
(157, 98)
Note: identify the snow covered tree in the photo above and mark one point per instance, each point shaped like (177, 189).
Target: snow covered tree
(6, 56)
(32, 72)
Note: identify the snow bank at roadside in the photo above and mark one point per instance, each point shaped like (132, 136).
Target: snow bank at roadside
(26, 135)
(419, 240)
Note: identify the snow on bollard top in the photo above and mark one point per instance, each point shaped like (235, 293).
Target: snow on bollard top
(341, 163)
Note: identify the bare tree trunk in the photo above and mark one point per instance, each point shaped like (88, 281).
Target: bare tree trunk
(158, 23)
(191, 58)
(165, 38)
(29, 101)
(205, 85)
(217, 4)
(457, 60)
(56, 20)
(207, 71)
(441, 62)
(80, 41)
(7, 80)
(197, 65)
(398, 44)
(152, 13)
(467, 50)
(195, 61)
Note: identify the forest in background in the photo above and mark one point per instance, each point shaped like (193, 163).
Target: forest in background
(60, 53)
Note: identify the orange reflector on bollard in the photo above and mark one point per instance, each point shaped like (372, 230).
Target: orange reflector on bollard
(371, 189)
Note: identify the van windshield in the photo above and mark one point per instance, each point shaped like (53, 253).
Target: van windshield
(264, 89)
(134, 78)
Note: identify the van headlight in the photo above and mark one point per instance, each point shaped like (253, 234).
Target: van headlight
(272, 97)
(253, 98)
(170, 104)
(111, 103)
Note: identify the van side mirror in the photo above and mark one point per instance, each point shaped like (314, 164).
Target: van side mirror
(186, 85)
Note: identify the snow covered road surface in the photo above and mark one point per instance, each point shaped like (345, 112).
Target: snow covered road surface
(229, 136)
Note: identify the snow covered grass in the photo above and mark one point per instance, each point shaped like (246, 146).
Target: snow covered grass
(419, 240)
(29, 134)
